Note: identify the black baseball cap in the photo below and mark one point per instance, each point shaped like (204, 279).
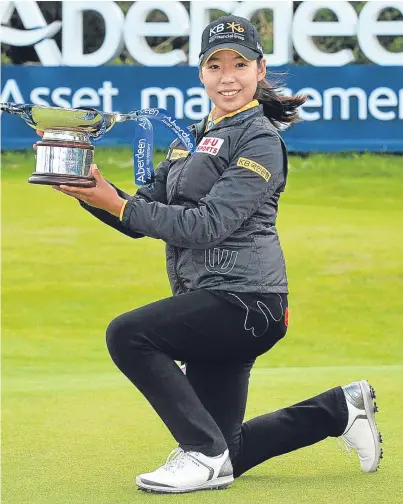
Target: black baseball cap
(233, 33)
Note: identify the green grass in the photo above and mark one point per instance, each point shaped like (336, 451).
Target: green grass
(75, 431)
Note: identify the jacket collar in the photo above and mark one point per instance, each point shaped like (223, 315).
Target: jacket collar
(213, 122)
(199, 129)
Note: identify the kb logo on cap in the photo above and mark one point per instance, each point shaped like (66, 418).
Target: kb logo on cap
(234, 27)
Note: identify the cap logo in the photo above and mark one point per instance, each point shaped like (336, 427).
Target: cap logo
(231, 30)
(234, 27)
(216, 29)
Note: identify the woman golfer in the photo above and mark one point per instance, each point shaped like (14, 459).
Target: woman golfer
(216, 211)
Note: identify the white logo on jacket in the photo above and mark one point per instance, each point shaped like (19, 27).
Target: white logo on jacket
(210, 145)
(220, 260)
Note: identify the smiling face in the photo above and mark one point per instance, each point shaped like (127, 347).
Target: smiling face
(231, 80)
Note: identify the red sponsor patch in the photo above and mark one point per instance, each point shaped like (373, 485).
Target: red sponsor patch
(286, 317)
(210, 145)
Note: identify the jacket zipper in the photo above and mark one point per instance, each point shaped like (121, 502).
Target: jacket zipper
(176, 254)
(178, 278)
(175, 193)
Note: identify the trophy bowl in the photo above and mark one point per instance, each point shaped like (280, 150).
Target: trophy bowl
(65, 153)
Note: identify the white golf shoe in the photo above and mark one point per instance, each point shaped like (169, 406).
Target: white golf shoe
(361, 433)
(188, 472)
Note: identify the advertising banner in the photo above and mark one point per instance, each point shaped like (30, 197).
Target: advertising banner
(352, 108)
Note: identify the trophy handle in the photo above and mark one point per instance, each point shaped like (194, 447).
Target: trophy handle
(131, 116)
(12, 108)
(23, 110)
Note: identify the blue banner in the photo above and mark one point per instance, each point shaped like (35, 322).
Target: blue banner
(349, 108)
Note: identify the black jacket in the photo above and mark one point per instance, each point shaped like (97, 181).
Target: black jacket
(216, 209)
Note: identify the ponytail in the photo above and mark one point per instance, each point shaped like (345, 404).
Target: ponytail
(280, 110)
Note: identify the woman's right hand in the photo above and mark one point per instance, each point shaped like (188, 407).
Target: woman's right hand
(40, 133)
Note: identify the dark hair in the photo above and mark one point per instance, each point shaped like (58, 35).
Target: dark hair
(280, 110)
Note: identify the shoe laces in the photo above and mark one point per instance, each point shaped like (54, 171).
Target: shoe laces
(175, 460)
(345, 445)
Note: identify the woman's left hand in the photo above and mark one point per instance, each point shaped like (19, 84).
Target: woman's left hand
(103, 195)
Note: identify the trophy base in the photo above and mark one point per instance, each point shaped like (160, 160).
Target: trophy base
(58, 179)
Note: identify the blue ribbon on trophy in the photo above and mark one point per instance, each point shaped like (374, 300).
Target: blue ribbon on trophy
(144, 139)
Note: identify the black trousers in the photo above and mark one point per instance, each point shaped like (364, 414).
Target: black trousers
(219, 336)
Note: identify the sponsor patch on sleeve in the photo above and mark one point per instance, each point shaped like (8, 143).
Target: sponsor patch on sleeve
(177, 154)
(255, 167)
(210, 145)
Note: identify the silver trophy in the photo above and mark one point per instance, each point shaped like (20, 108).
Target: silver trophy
(65, 153)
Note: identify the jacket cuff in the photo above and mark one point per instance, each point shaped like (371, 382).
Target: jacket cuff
(83, 204)
(122, 210)
(125, 212)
